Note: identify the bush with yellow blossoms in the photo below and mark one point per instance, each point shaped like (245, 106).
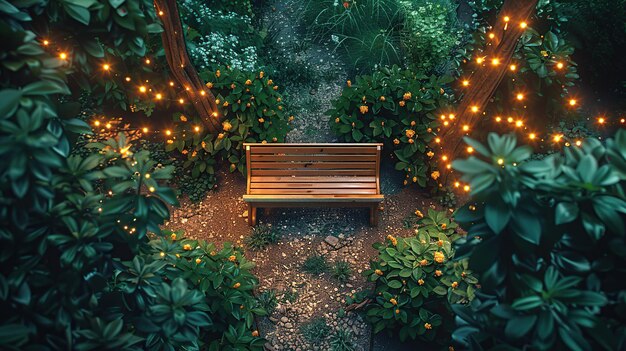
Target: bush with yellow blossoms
(417, 281)
(250, 109)
(398, 108)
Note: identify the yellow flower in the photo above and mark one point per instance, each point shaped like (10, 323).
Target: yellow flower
(435, 175)
(232, 258)
(438, 273)
(428, 326)
(420, 282)
(410, 133)
(424, 262)
(291, 118)
(402, 103)
(173, 236)
(349, 83)
(237, 285)
(393, 301)
(419, 213)
(396, 141)
(337, 120)
(439, 257)
(407, 96)
(393, 240)
(275, 87)
(170, 141)
(209, 85)
(225, 104)
(364, 109)
(413, 123)
(261, 120)
(411, 141)
(183, 118)
(248, 82)
(414, 179)
(270, 82)
(455, 285)
(227, 126)
(444, 226)
(256, 332)
(186, 247)
(198, 261)
(220, 136)
(261, 74)
(430, 154)
(440, 243)
(397, 311)
(378, 272)
(382, 98)
(232, 86)
(218, 73)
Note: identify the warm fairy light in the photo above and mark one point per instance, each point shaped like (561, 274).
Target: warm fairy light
(500, 161)
(578, 142)
(144, 129)
(457, 184)
(161, 13)
(532, 136)
(108, 125)
(152, 189)
(106, 67)
(214, 114)
(572, 102)
(168, 132)
(181, 101)
(519, 96)
(443, 117)
(465, 83)
(557, 137)
(46, 43)
(451, 116)
(446, 123)
(63, 56)
(470, 149)
(127, 79)
(513, 67)
(171, 84)
(96, 123)
(196, 128)
(507, 18)
(474, 109)
(437, 140)
(202, 92)
(510, 119)
(523, 25)
(498, 119)
(466, 188)
(601, 120)
(495, 61)
(480, 60)
(159, 96)
(465, 128)
(622, 120)
(148, 61)
(560, 65)
(449, 166)
(142, 89)
(519, 124)
(491, 35)
(444, 158)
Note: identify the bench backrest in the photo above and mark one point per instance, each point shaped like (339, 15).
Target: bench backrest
(313, 169)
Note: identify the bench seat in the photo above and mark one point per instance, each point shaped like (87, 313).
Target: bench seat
(313, 175)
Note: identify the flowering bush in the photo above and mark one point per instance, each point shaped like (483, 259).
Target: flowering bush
(396, 107)
(416, 281)
(547, 238)
(252, 111)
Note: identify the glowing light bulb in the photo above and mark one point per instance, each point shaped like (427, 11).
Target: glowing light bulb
(470, 149)
(437, 140)
(106, 67)
(152, 189)
(168, 132)
(142, 89)
(108, 125)
(498, 119)
(510, 119)
(202, 92)
(558, 137)
(491, 35)
(519, 96)
(451, 116)
(519, 123)
(500, 161)
(159, 96)
(63, 56)
(573, 102)
(446, 123)
(601, 120)
(96, 123)
(474, 109)
(560, 65)
(622, 120)
(181, 101)
(214, 114)
(507, 18)
(444, 157)
(144, 129)
(480, 60)
(578, 142)
(457, 184)
(127, 79)
(171, 84)
(466, 188)
(196, 128)
(495, 61)
(513, 67)
(46, 42)
(523, 25)
(465, 83)
(532, 136)
(443, 117)
(148, 61)
(465, 128)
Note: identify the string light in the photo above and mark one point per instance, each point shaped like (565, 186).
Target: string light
(523, 25)
(573, 102)
(96, 123)
(578, 142)
(470, 149)
(560, 65)
(498, 119)
(622, 120)
(202, 92)
(437, 140)
(196, 128)
(557, 138)
(46, 43)
(444, 158)
(513, 67)
(161, 13)
(532, 136)
(474, 108)
(601, 120)
(466, 83)
(108, 126)
(171, 83)
(519, 123)
(144, 129)
(168, 132)
(127, 79)
(480, 60)
(106, 67)
(466, 188)
(451, 116)
(142, 89)
(159, 96)
(507, 18)
(63, 56)
(148, 61)
(495, 61)
(510, 119)
(181, 101)
(519, 96)
(491, 35)
(465, 128)
(500, 161)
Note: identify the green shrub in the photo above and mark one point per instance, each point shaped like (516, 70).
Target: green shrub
(315, 264)
(342, 340)
(268, 301)
(315, 331)
(547, 238)
(416, 282)
(262, 236)
(396, 107)
(252, 111)
(341, 271)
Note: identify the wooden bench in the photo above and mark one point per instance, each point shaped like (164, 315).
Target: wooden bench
(313, 175)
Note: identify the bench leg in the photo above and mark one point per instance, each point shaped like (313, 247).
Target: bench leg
(374, 216)
(251, 215)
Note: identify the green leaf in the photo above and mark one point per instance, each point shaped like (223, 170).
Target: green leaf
(519, 326)
(9, 100)
(79, 13)
(497, 216)
(566, 212)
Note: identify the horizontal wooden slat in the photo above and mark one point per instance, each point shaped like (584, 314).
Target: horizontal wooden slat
(314, 165)
(254, 185)
(304, 179)
(312, 150)
(279, 192)
(312, 172)
(311, 158)
(313, 198)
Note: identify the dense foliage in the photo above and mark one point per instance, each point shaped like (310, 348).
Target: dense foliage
(547, 239)
(416, 281)
(396, 107)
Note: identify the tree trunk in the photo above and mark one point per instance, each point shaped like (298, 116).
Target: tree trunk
(486, 79)
(178, 60)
